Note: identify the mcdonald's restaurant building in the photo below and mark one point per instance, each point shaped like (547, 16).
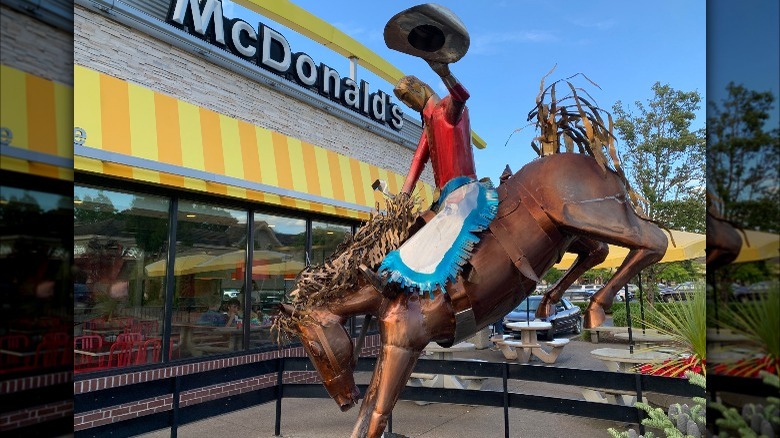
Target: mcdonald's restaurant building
(210, 161)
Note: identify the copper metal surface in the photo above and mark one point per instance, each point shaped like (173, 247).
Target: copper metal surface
(428, 31)
(586, 208)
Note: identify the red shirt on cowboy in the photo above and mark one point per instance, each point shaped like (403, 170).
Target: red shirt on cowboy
(446, 138)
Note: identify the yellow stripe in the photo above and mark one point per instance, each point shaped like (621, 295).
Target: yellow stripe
(357, 181)
(231, 147)
(368, 191)
(323, 172)
(190, 132)
(195, 184)
(335, 175)
(13, 105)
(143, 122)
(346, 179)
(85, 164)
(378, 197)
(86, 105)
(298, 171)
(265, 148)
(146, 175)
(15, 165)
(63, 109)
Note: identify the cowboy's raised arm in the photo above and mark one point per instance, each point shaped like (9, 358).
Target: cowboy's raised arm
(457, 90)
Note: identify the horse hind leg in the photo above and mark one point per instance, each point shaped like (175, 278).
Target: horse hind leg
(604, 221)
(589, 254)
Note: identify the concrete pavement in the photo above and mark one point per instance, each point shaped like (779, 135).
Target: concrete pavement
(321, 418)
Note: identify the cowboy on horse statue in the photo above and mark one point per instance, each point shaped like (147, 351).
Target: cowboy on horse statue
(486, 246)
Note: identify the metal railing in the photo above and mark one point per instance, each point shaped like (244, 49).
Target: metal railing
(178, 415)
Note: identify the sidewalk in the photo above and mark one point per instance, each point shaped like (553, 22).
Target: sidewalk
(321, 418)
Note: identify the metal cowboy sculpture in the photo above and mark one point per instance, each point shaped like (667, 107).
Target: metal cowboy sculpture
(488, 257)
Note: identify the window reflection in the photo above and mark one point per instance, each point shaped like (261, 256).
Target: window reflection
(279, 255)
(118, 300)
(35, 247)
(325, 237)
(209, 276)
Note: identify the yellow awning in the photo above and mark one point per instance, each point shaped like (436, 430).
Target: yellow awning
(35, 119)
(686, 246)
(136, 133)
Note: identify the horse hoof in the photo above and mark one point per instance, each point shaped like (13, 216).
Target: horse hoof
(594, 316)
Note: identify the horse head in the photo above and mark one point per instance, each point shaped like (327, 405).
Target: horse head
(330, 349)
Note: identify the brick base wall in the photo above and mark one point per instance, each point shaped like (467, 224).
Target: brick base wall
(38, 414)
(111, 414)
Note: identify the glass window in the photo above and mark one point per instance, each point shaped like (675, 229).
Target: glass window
(325, 237)
(279, 255)
(120, 242)
(209, 277)
(35, 248)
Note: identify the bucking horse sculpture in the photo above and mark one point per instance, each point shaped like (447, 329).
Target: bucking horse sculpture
(561, 202)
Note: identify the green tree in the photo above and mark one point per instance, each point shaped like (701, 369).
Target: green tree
(664, 160)
(743, 156)
(663, 156)
(552, 275)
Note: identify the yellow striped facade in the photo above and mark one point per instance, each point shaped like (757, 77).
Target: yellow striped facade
(128, 120)
(38, 113)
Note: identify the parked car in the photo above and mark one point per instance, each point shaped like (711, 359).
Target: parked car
(755, 290)
(578, 292)
(676, 293)
(229, 293)
(567, 316)
(621, 294)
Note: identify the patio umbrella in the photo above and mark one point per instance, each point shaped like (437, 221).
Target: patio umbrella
(757, 245)
(184, 265)
(289, 268)
(682, 246)
(686, 246)
(235, 260)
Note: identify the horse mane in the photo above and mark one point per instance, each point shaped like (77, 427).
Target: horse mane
(339, 273)
(574, 120)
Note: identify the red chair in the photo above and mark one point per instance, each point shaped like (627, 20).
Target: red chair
(150, 347)
(92, 343)
(129, 337)
(120, 355)
(13, 343)
(147, 328)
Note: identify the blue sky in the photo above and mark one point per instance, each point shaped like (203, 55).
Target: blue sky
(623, 46)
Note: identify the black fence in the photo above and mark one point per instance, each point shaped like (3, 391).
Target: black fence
(178, 416)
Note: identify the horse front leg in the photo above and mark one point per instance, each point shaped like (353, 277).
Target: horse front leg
(589, 254)
(393, 370)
